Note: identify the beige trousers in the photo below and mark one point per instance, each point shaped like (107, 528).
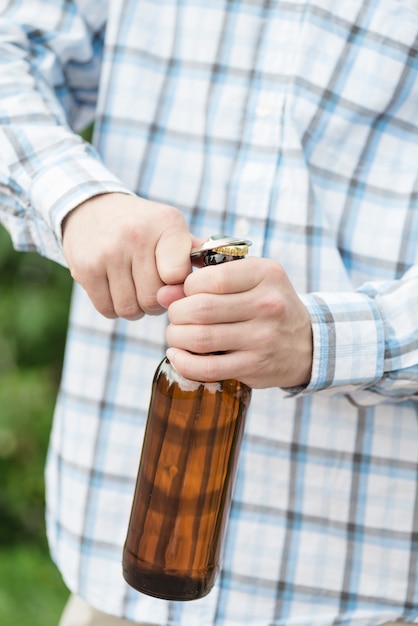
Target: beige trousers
(78, 613)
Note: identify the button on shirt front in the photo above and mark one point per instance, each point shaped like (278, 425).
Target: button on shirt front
(293, 124)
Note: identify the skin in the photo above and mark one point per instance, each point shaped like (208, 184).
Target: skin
(122, 249)
(138, 262)
(249, 310)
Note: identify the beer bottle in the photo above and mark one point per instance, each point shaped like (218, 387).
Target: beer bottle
(184, 486)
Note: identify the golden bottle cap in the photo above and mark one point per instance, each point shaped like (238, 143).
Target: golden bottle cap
(235, 250)
(223, 244)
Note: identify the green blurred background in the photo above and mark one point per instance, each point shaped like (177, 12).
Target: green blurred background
(34, 303)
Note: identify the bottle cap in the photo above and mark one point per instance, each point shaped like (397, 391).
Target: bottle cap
(240, 249)
(223, 244)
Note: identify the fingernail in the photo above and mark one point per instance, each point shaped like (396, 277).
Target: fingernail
(171, 353)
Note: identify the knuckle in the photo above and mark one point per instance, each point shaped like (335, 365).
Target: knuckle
(174, 218)
(87, 270)
(133, 236)
(203, 309)
(128, 311)
(202, 339)
(274, 268)
(151, 307)
(219, 279)
(79, 273)
(210, 370)
(75, 275)
(274, 272)
(156, 310)
(106, 310)
(170, 334)
(272, 305)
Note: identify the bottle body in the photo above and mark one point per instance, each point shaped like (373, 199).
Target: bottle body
(184, 485)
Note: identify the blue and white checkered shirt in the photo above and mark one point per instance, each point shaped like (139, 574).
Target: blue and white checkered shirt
(293, 123)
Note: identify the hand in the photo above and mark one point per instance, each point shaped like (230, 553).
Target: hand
(247, 309)
(122, 249)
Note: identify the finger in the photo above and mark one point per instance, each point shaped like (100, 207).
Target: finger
(168, 294)
(234, 277)
(123, 293)
(203, 339)
(147, 283)
(210, 367)
(206, 308)
(172, 256)
(99, 293)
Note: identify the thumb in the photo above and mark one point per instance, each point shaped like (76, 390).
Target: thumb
(172, 255)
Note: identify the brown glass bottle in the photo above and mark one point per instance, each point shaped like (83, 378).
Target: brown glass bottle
(185, 479)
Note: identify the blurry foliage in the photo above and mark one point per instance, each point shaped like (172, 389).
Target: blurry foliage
(34, 304)
(31, 590)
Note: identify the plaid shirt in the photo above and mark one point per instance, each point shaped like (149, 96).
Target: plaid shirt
(293, 123)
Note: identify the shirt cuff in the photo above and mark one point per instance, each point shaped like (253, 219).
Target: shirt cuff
(348, 342)
(58, 189)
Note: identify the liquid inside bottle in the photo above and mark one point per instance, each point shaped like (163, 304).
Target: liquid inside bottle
(184, 485)
(186, 474)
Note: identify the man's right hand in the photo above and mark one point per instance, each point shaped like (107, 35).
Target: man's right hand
(122, 249)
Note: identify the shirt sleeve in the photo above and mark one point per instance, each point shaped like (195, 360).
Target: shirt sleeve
(366, 342)
(50, 56)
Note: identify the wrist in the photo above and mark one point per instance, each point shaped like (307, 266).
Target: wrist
(91, 203)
